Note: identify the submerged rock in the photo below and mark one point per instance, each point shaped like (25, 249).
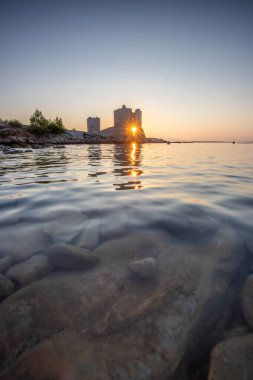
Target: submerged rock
(145, 268)
(5, 263)
(232, 359)
(23, 242)
(89, 236)
(248, 300)
(66, 227)
(70, 257)
(30, 270)
(6, 287)
(100, 324)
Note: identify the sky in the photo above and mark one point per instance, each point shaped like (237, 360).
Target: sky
(187, 64)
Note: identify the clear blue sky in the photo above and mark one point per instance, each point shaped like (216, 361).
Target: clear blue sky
(187, 64)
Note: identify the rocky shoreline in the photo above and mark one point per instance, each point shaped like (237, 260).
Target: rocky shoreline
(20, 137)
(87, 305)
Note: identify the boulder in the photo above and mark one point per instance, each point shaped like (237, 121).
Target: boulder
(103, 324)
(70, 257)
(232, 359)
(30, 270)
(5, 263)
(22, 242)
(247, 300)
(145, 268)
(6, 287)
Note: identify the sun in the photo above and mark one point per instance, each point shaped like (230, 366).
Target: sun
(133, 129)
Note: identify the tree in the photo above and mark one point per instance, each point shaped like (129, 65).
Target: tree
(40, 125)
(56, 126)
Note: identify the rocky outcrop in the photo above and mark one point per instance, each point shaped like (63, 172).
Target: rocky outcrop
(106, 323)
(232, 359)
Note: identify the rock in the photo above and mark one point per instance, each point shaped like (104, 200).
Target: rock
(247, 300)
(30, 270)
(237, 331)
(117, 226)
(100, 324)
(28, 150)
(66, 227)
(6, 287)
(59, 146)
(70, 257)
(145, 268)
(232, 359)
(249, 244)
(89, 237)
(12, 151)
(22, 242)
(5, 263)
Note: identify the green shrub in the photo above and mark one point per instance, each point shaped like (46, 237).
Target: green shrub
(12, 122)
(40, 125)
(15, 123)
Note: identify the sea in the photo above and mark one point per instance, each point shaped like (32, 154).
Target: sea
(188, 190)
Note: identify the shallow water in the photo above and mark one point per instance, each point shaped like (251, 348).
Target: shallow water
(87, 194)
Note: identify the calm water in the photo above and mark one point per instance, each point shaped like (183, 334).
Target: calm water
(188, 190)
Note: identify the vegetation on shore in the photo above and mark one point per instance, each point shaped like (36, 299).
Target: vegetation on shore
(12, 122)
(39, 125)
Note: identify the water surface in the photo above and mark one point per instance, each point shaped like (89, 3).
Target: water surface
(87, 194)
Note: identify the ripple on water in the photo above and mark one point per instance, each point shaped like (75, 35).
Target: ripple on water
(86, 195)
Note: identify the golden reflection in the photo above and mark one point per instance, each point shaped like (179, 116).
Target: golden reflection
(133, 152)
(133, 173)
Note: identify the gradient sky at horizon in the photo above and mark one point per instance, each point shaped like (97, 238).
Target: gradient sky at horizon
(188, 64)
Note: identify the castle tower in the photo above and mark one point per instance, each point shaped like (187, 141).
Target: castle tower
(93, 125)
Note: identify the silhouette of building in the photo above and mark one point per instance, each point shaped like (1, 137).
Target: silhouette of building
(93, 125)
(124, 121)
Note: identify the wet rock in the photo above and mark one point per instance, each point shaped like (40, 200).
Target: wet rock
(89, 236)
(145, 268)
(115, 228)
(23, 242)
(232, 359)
(69, 257)
(5, 263)
(66, 227)
(249, 244)
(12, 151)
(6, 287)
(248, 300)
(30, 270)
(59, 146)
(100, 324)
(237, 331)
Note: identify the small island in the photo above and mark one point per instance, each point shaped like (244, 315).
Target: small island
(43, 132)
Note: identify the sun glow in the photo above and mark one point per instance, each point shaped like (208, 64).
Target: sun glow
(133, 130)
